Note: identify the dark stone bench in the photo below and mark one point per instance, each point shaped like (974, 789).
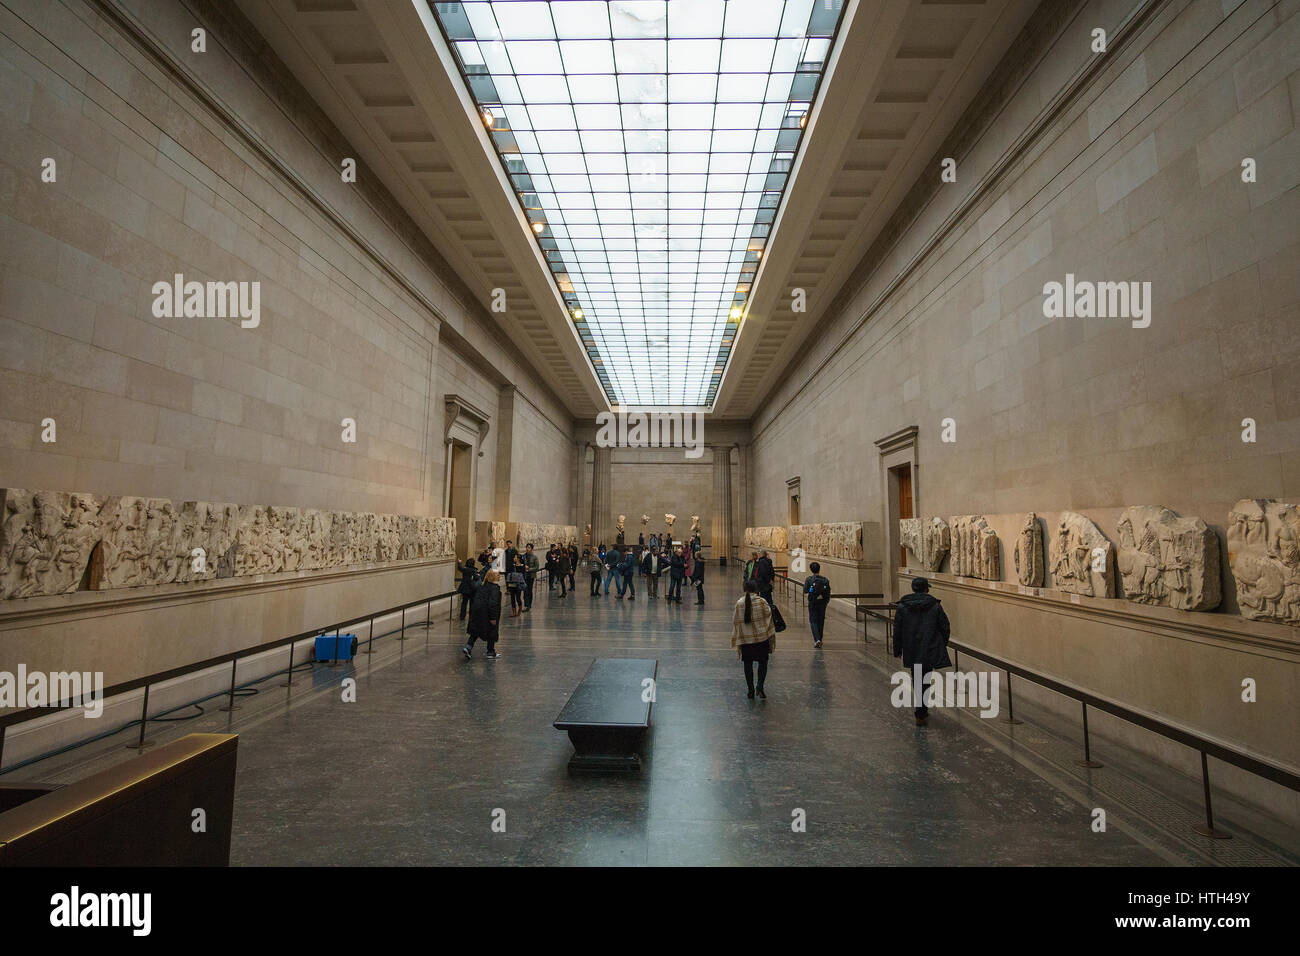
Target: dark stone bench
(606, 717)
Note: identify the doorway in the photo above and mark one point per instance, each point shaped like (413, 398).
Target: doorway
(459, 471)
(904, 473)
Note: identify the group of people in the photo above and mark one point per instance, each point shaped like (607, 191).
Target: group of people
(921, 628)
(623, 564)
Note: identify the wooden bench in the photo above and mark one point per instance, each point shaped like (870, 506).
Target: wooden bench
(608, 715)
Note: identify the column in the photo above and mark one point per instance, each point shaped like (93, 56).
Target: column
(602, 525)
(722, 530)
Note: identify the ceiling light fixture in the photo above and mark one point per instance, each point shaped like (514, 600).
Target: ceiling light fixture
(488, 118)
(538, 227)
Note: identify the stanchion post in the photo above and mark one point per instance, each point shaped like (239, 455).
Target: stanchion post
(401, 635)
(1087, 760)
(1010, 718)
(140, 744)
(289, 681)
(1208, 830)
(231, 705)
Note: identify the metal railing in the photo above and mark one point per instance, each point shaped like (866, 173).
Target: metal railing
(1251, 763)
(233, 658)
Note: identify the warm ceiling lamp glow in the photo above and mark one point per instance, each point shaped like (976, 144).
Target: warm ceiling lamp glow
(735, 311)
(488, 118)
(577, 313)
(538, 227)
(803, 120)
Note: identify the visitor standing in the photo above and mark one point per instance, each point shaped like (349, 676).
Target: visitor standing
(531, 564)
(573, 566)
(515, 585)
(612, 561)
(485, 617)
(629, 575)
(753, 635)
(764, 577)
(676, 575)
(650, 568)
(697, 577)
(594, 569)
(468, 582)
(562, 569)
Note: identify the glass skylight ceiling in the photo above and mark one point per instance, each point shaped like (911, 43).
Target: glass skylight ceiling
(649, 143)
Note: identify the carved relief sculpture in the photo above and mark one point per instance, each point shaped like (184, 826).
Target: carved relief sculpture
(53, 542)
(841, 539)
(1083, 560)
(695, 524)
(1167, 560)
(909, 533)
(1264, 554)
(938, 542)
(1029, 553)
(976, 551)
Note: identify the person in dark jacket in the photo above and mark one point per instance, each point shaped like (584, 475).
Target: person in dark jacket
(562, 569)
(764, 577)
(573, 566)
(613, 561)
(921, 637)
(628, 570)
(676, 575)
(530, 573)
(594, 568)
(817, 589)
(468, 584)
(651, 565)
(511, 551)
(550, 568)
(697, 577)
(485, 617)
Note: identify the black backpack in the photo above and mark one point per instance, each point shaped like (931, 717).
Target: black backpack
(819, 589)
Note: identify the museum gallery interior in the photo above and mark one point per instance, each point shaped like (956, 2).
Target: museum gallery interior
(417, 418)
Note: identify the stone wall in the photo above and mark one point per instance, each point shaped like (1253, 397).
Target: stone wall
(1137, 176)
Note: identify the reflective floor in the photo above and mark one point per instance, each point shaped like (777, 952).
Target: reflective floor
(440, 760)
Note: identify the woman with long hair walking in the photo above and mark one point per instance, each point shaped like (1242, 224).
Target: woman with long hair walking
(753, 635)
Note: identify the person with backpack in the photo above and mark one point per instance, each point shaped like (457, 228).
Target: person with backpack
(921, 632)
(818, 591)
(753, 635)
(468, 584)
(485, 617)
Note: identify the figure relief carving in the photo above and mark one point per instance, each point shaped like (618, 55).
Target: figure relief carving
(55, 542)
(909, 533)
(976, 551)
(1264, 554)
(1083, 559)
(1168, 560)
(938, 542)
(840, 539)
(1029, 553)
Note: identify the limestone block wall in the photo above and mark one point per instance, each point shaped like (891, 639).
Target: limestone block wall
(659, 481)
(1136, 177)
(358, 319)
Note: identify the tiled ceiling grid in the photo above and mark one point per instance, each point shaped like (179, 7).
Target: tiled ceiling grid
(649, 143)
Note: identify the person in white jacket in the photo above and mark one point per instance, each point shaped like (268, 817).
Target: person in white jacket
(753, 635)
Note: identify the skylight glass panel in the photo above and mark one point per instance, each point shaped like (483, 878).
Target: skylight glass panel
(649, 142)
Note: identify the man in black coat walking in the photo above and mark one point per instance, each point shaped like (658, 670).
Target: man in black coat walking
(764, 577)
(921, 638)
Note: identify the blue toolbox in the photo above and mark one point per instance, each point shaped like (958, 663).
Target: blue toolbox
(336, 647)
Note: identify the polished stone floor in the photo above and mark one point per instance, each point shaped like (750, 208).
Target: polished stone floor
(435, 749)
(413, 771)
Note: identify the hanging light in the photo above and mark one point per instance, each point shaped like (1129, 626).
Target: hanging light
(803, 120)
(538, 227)
(488, 118)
